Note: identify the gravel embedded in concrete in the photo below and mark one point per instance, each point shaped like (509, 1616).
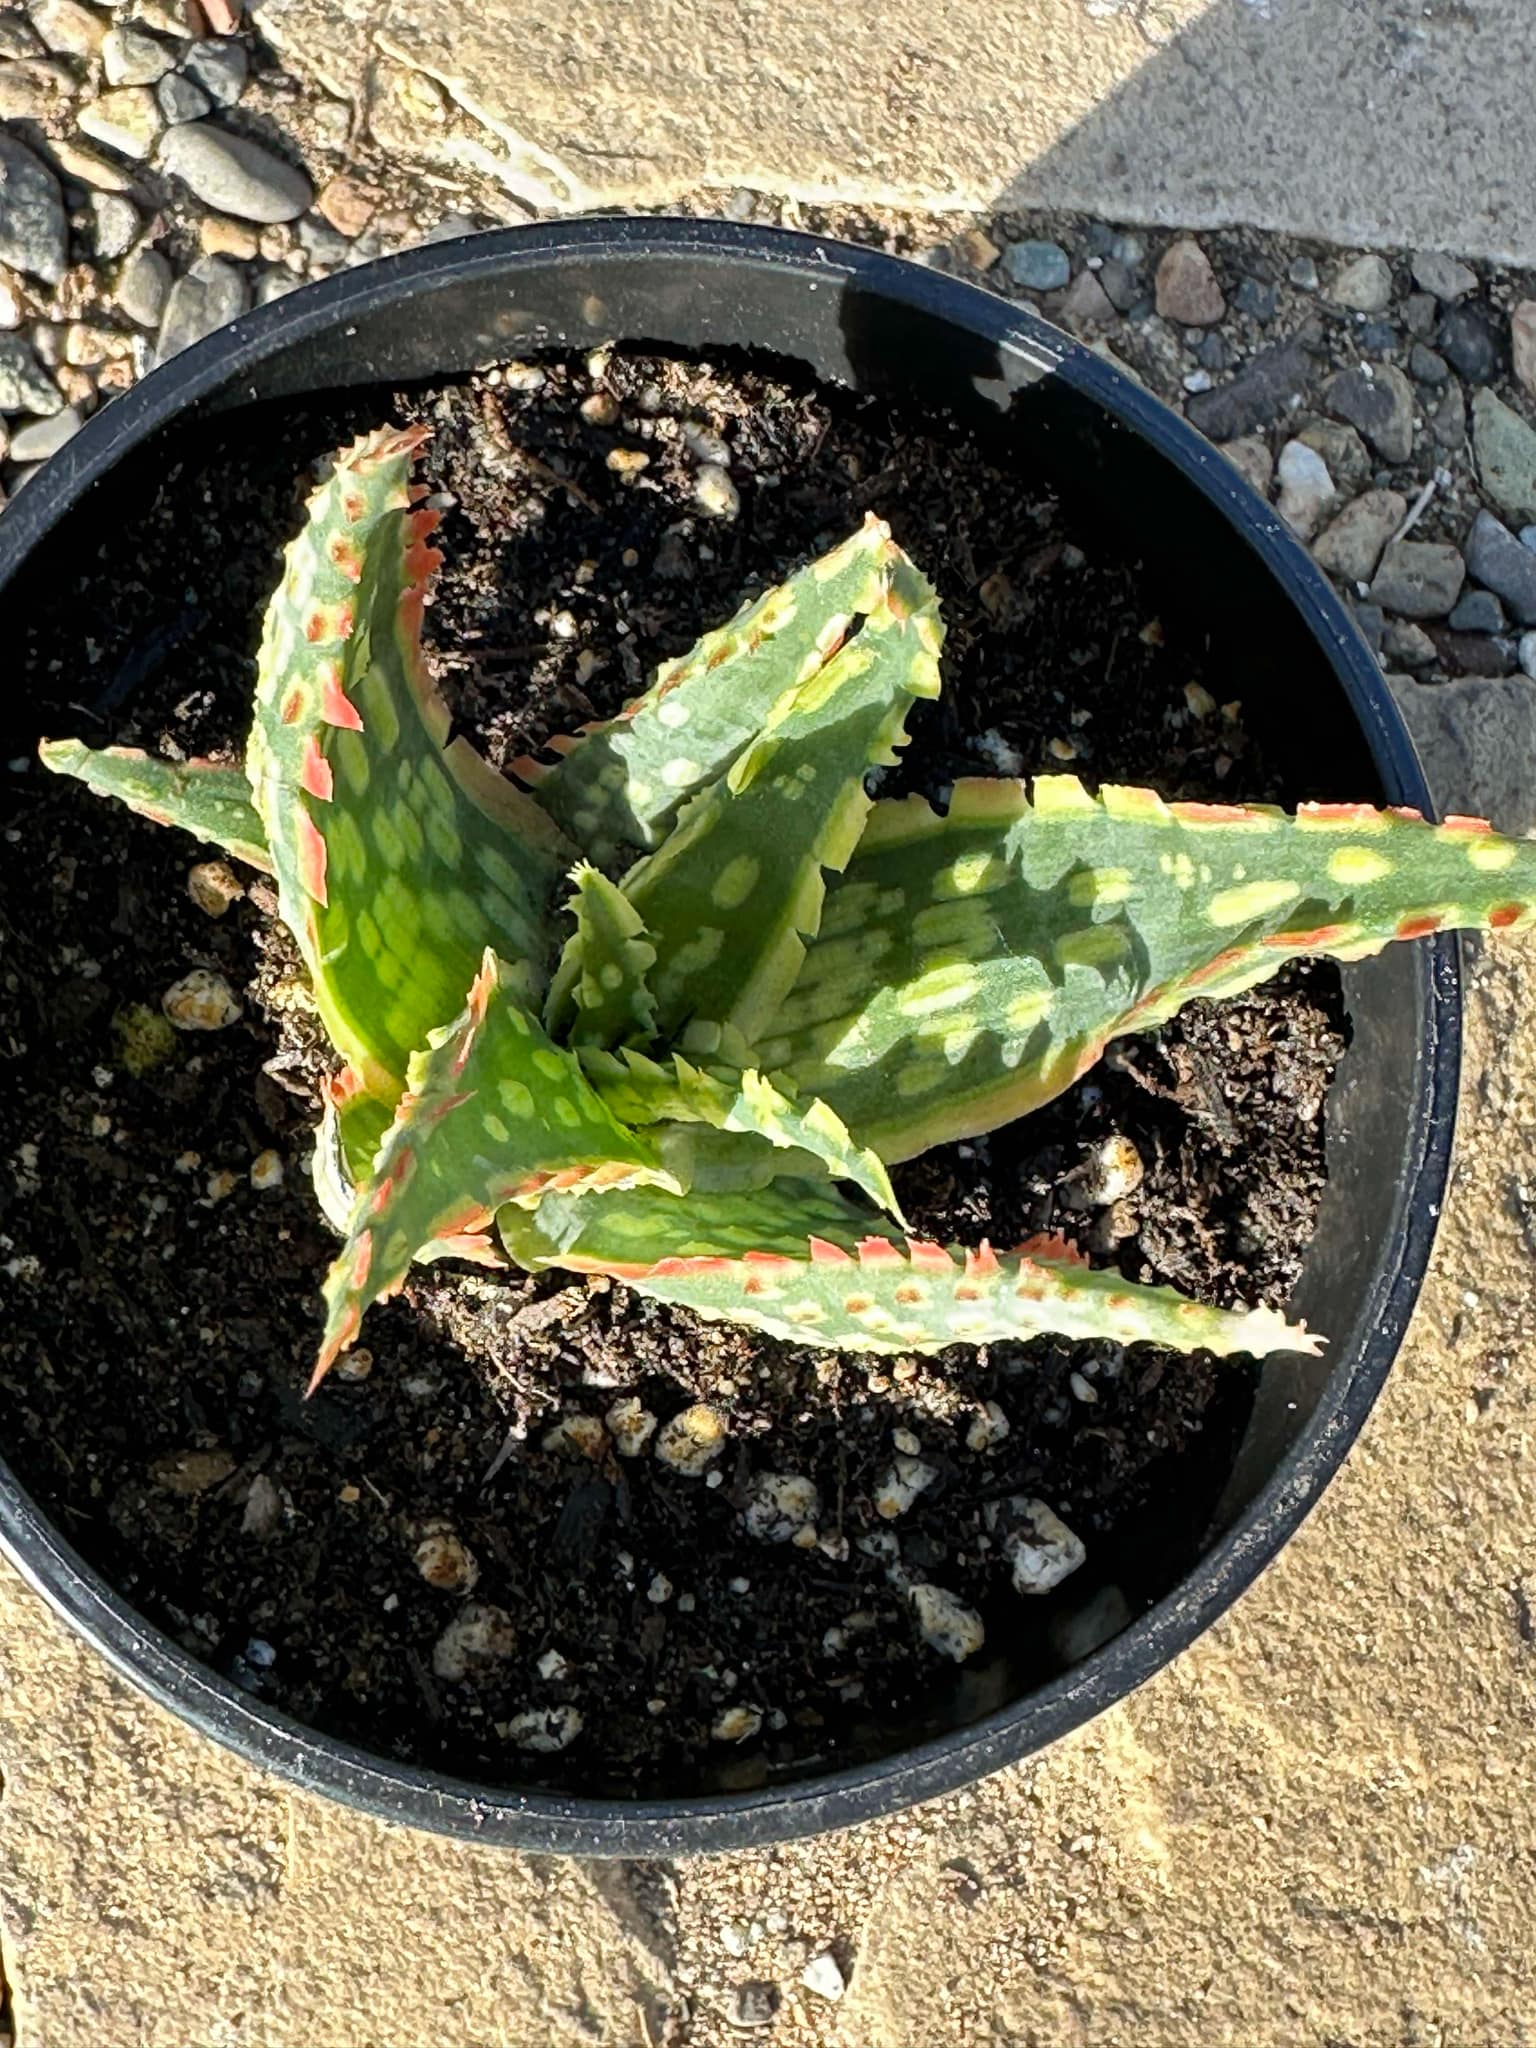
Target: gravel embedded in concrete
(234, 174)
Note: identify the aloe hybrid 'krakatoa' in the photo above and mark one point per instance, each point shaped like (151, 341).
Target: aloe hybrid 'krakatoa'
(669, 1010)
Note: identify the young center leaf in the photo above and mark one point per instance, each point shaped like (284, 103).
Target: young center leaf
(493, 1113)
(969, 967)
(621, 783)
(731, 894)
(803, 1264)
(600, 994)
(643, 1091)
(399, 856)
(208, 799)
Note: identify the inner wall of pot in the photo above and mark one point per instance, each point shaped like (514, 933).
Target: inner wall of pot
(1214, 585)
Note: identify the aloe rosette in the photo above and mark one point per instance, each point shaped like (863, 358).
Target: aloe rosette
(669, 1006)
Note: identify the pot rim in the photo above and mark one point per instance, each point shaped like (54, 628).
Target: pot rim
(544, 1822)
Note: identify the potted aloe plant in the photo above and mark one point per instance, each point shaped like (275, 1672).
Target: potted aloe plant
(789, 1375)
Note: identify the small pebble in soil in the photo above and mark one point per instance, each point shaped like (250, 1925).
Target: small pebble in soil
(779, 1506)
(445, 1560)
(822, 1975)
(577, 1436)
(736, 1724)
(628, 462)
(714, 493)
(551, 1665)
(946, 1624)
(213, 886)
(1111, 1170)
(1040, 1549)
(192, 1472)
(354, 1365)
(546, 1730)
(906, 1479)
(987, 1429)
(201, 1001)
(266, 1171)
(263, 1508)
(660, 1590)
(631, 1425)
(478, 1638)
(691, 1441)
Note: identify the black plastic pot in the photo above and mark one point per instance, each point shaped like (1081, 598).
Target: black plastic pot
(1306, 678)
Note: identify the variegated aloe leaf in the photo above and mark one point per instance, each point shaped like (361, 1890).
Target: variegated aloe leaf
(640, 1090)
(209, 799)
(804, 1265)
(970, 967)
(600, 995)
(626, 1233)
(730, 896)
(621, 783)
(399, 856)
(493, 1112)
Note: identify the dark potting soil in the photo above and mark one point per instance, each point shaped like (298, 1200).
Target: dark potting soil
(162, 1311)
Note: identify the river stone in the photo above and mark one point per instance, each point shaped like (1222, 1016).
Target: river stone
(1038, 266)
(37, 89)
(1347, 457)
(1477, 741)
(116, 225)
(129, 57)
(234, 175)
(1351, 545)
(125, 119)
(1469, 341)
(1258, 394)
(1251, 458)
(39, 439)
(144, 287)
(1498, 560)
(1506, 455)
(25, 386)
(1364, 286)
(1187, 291)
(34, 229)
(1442, 275)
(1380, 405)
(181, 99)
(219, 66)
(1419, 579)
(211, 293)
(1306, 489)
(1477, 611)
(66, 26)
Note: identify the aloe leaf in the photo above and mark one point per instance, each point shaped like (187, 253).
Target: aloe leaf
(640, 1090)
(493, 1113)
(600, 994)
(208, 799)
(626, 1233)
(399, 856)
(801, 1264)
(621, 783)
(969, 967)
(730, 896)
